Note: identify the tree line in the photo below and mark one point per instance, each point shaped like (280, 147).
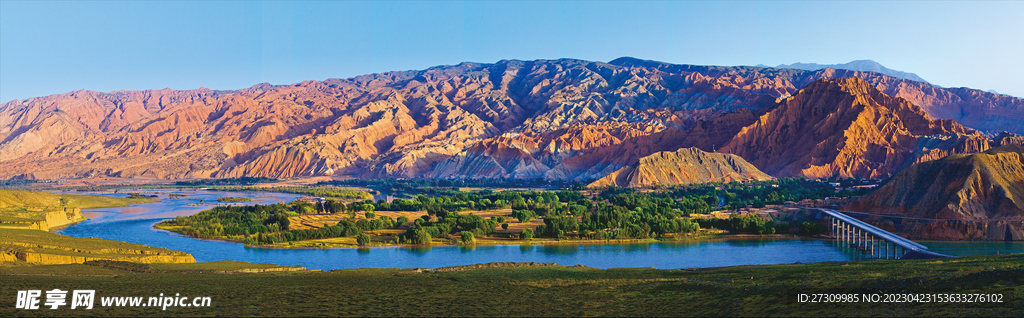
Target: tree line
(613, 213)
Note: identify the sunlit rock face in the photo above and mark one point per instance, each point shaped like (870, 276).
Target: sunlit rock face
(555, 119)
(681, 167)
(848, 128)
(978, 196)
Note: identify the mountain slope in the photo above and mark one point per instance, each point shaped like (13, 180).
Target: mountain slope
(574, 119)
(684, 166)
(982, 196)
(847, 128)
(970, 107)
(858, 65)
(589, 152)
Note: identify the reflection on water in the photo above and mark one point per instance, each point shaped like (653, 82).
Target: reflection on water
(975, 248)
(419, 250)
(135, 225)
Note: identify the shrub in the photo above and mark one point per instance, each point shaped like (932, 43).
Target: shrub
(376, 224)
(782, 228)
(417, 235)
(467, 237)
(526, 234)
(433, 231)
(363, 239)
(504, 226)
(523, 215)
(370, 215)
(350, 231)
(811, 228)
(541, 229)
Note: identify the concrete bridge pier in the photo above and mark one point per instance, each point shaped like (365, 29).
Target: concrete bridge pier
(872, 241)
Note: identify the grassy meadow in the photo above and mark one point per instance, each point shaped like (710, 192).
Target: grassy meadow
(42, 247)
(19, 207)
(486, 290)
(20, 199)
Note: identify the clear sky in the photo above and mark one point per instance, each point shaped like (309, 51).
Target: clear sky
(56, 47)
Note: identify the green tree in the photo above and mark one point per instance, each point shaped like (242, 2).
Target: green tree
(363, 239)
(485, 204)
(363, 224)
(526, 234)
(467, 237)
(811, 228)
(418, 235)
(504, 226)
(523, 215)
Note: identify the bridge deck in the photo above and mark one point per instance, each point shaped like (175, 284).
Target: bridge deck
(877, 232)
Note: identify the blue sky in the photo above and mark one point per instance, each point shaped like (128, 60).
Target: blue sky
(56, 47)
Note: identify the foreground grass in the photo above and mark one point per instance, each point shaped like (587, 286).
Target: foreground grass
(548, 291)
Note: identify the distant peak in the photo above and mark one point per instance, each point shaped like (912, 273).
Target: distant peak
(857, 65)
(868, 62)
(627, 61)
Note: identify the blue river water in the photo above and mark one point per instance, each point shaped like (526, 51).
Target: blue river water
(134, 224)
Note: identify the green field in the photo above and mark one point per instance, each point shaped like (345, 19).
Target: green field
(19, 199)
(547, 291)
(43, 247)
(29, 209)
(233, 199)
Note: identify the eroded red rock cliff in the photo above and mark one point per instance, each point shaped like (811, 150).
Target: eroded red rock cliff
(557, 119)
(978, 196)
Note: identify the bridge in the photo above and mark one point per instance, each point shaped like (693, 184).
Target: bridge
(872, 241)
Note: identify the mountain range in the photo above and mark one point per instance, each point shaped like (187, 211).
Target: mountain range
(858, 65)
(556, 119)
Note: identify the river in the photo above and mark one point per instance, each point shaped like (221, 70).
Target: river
(134, 224)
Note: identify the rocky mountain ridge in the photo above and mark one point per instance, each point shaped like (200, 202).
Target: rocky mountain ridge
(846, 127)
(858, 65)
(556, 119)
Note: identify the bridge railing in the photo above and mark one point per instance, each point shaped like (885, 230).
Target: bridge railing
(877, 232)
